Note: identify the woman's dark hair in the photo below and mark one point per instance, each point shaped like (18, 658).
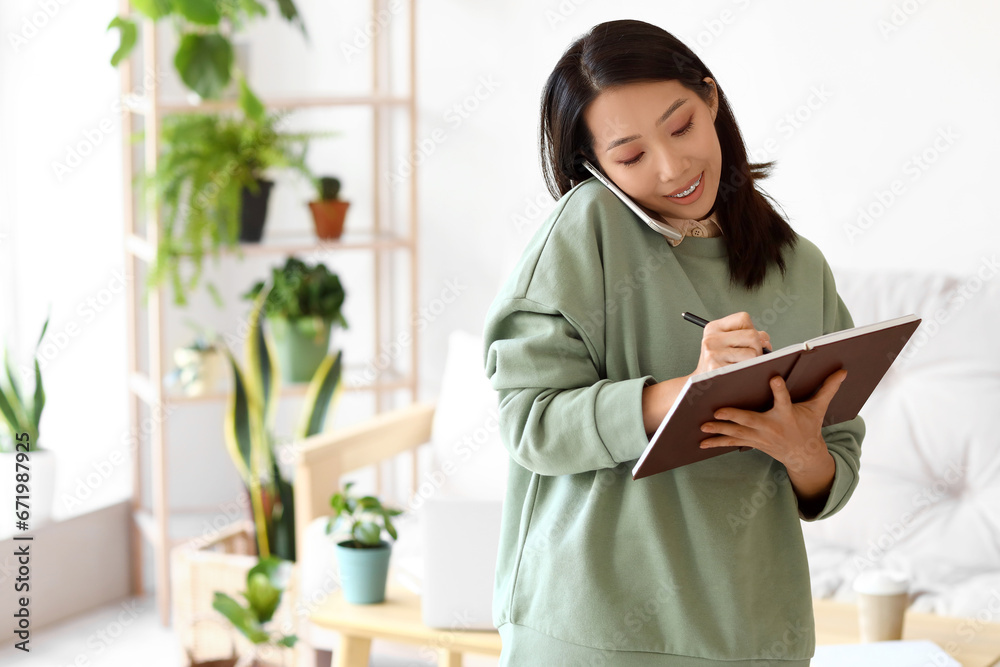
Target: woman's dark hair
(621, 52)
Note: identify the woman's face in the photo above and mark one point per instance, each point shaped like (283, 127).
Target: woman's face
(655, 140)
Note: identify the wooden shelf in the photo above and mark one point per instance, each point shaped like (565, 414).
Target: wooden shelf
(296, 242)
(141, 106)
(397, 231)
(388, 380)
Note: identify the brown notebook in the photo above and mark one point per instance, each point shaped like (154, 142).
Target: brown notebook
(866, 352)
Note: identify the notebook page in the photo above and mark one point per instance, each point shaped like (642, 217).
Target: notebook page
(857, 331)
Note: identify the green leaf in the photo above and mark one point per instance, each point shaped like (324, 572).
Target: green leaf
(129, 36)
(367, 533)
(284, 526)
(288, 640)
(154, 9)
(369, 503)
(263, 596)
(202, 12)
(322, 396)
(216, 297)
(338, 503)
(204, 62)
(253, 8)
(291, 14)
(237, 423)
(391, 529)
(241, 618)
(276, 569)
(15, 401)
(250, 103)
(7, 410)
(262, 373)
(38, 401)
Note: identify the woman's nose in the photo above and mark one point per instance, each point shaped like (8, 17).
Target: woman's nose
(672, 167)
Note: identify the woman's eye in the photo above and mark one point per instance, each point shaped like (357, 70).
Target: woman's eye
(679, 133)
(685, 129)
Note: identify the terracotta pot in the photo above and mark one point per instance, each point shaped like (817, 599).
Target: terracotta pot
(329, 217)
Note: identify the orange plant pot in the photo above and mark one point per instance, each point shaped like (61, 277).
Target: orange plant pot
(329, 217)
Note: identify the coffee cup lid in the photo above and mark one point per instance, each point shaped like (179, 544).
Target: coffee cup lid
(881, 582)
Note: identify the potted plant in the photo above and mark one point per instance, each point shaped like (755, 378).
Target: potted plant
(266, 582)
(329, 211)
(364, 557)
(201, 364)
(250, 437)
(20, 418)
(211, 179)
(303, 306)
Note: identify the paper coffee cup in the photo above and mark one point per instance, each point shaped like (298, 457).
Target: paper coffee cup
(883, 596)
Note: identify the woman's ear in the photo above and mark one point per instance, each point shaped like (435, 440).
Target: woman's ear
(579, 158)
(714, 104)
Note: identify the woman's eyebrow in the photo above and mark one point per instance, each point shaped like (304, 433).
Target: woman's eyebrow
(659, 121)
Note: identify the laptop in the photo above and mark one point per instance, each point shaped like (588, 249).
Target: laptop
(460, 539)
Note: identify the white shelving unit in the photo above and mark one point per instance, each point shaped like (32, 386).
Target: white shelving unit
(151, 524)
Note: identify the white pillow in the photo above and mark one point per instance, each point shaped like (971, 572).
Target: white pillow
(468, 457)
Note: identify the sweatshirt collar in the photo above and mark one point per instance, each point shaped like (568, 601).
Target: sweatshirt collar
(714, 246)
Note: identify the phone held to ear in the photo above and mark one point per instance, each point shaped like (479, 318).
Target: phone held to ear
(655, 225)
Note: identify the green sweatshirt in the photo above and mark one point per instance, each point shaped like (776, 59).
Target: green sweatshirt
(706, 560)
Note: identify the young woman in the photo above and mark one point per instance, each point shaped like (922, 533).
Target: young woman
(585, 343)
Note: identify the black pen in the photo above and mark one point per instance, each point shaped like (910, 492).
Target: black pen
(702, 322)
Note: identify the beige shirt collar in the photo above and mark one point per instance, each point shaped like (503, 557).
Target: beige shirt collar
(698, 228)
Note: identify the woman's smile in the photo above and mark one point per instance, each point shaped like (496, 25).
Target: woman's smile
(691, 193)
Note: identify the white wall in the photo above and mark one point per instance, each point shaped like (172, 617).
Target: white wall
(891, 95)
(60, 236)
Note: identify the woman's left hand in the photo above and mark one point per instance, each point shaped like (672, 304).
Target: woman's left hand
(789, 432)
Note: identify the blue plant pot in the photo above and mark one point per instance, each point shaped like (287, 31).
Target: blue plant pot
(363, 572)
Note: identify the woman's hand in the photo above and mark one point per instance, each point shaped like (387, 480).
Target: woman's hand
(728, 340)
(789, 432)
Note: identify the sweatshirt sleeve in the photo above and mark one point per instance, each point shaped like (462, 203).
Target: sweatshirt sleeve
(558, 416)
(842, 440)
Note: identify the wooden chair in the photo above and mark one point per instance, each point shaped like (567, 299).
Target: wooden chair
(321, 461)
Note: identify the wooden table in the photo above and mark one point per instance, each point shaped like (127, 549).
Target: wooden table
(971, 641)
(396, 620)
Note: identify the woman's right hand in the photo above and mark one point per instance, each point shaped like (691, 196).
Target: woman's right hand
(728, 340)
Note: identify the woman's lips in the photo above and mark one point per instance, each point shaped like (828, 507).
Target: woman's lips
(693, 196)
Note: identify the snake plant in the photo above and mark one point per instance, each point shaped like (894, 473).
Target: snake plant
(249, 430)
(21, 413)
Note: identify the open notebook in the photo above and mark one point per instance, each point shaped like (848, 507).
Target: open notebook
(866, 352)
(911, 653)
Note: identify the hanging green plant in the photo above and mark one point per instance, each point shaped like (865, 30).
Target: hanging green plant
(207, 161)
(204, 56)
